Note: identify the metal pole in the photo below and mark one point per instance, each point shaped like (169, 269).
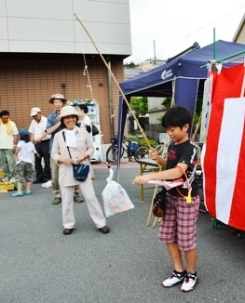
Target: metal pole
(154, 49)
(214, 45)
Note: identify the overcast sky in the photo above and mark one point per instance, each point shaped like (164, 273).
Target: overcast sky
(176, 24)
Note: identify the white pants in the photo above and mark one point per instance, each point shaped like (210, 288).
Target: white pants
(93, 205)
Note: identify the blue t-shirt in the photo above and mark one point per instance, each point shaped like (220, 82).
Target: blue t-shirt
(51, 121)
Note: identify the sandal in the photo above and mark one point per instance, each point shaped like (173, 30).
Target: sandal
(57, 200)
(17, 194)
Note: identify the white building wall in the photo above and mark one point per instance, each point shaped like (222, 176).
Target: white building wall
(49, 26)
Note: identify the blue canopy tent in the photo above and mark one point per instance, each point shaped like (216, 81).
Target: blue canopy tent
(184, 70)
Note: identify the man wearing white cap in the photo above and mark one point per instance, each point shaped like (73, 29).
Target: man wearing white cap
(36, 130)
(53, 126)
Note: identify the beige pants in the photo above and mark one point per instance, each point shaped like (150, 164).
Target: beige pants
(94, 208)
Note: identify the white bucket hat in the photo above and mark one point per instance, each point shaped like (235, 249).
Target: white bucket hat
(68, 111)
(57, 96)
(34, 111)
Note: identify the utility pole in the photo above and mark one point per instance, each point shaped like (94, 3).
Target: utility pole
(154, 51)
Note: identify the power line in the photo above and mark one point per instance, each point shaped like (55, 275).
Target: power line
(145, 55)
(201, 28)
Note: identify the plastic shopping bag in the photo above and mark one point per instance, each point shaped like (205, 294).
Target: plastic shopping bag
(115, 197)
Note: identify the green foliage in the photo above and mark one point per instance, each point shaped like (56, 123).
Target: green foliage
(130, 65)
(198, 110)
(199, 107)
(153, 143)
(16, 186)
(139, 105)
(167, 102)
(142, 142)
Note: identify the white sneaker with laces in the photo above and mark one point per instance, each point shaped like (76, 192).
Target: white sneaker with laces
(47, 184)
(174, 279)
(189, 282)
(5, 179)
(13, 180)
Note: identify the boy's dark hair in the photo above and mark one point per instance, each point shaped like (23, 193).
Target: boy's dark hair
(4, 113)
(25, 138)
(83, 107)
(62, 124)
(177, 116)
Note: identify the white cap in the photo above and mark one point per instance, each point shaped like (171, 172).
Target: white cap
(34, 111)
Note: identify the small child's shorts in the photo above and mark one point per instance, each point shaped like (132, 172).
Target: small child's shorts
(179, 222)
(24, 172)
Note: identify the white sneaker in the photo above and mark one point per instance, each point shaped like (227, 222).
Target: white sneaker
(189, 282)
(174, 279)
(5, 179)
(13, 180)
(47, 184)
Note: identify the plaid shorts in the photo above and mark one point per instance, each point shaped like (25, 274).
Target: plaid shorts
(24, 172)
(179, 222)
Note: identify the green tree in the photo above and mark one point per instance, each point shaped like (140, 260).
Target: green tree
(166, 102)
(139, 105)
(131, 65)
(198, 111)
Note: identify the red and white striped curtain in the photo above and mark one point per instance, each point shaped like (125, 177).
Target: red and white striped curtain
(223, 156)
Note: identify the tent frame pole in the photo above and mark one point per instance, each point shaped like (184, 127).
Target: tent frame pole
(226, 58)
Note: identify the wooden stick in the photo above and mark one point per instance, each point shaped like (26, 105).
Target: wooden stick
(116, 82)
(196, 129)
(151, 205)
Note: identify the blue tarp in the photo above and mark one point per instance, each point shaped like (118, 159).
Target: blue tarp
(188, 74)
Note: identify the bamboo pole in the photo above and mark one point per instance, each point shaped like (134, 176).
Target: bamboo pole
(116, 82)
(196, 129)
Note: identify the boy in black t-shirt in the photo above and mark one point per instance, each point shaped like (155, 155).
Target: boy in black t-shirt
(178, 229)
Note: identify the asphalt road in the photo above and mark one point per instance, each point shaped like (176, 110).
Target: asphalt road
(40, 264)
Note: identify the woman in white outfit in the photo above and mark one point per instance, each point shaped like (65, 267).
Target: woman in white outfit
(85, 121)
(81, 149)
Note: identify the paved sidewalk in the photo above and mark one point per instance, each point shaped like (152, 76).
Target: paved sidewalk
(41, 265)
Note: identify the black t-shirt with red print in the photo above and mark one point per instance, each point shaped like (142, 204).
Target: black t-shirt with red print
(186, 153)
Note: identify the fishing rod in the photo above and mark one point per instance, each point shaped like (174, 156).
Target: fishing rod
(116, 82)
